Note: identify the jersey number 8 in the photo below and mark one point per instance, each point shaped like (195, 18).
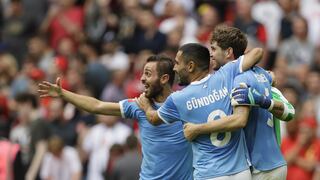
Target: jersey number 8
(218, 139)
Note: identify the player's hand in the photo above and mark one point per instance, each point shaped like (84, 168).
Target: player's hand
(190, 131)
(245, 95)
(47, 89)
(143, 102)
(240, 96)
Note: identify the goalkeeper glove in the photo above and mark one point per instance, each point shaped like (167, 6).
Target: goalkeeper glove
(245, 95)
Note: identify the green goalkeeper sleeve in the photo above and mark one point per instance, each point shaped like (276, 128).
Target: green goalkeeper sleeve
(288, 113)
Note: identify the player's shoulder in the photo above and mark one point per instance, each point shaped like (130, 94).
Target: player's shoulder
(126, 103)
(131, 100)
(178, 93)
(181, 94)
(260, 69)
(176, 96)
(231, 64)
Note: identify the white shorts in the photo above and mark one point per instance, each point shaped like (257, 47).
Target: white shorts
(243, 175)
(279, 173)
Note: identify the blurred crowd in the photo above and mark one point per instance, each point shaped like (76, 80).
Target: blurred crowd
(98, 48)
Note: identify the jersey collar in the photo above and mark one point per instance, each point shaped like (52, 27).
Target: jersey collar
(201, 80)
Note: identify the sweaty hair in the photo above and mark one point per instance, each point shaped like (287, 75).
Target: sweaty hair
(226, 37)
(164, 66)
(197, 53)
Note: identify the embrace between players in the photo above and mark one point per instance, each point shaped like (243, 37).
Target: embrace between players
(220, 126)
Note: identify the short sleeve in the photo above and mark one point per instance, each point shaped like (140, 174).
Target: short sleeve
(168, 112)
(240, 79)
(234, 67)
(128, 108)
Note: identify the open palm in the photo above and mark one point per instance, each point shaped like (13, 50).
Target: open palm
(47, 89)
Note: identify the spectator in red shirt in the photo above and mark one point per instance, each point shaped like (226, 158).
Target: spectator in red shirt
(64, 19)
(303, 152)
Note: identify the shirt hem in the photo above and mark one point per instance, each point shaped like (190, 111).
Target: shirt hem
(219, 175)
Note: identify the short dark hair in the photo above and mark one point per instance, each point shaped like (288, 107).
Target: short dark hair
(164, 66)
(197, 53)
(226, 37)
(27, 98)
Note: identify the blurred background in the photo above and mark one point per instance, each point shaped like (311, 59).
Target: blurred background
(98, 48)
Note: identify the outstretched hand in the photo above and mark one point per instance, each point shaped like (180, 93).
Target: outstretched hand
(47, 89)
(143, 102)
(190, 131)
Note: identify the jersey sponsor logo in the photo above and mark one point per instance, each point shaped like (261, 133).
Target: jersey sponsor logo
(214, 96)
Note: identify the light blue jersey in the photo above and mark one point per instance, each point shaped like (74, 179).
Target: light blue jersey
(216, 154)
(261, 141)
(167, 155)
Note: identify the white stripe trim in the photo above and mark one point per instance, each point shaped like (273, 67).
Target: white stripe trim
(201, 80)
(121, 109)
(241, 62)
(162, 118)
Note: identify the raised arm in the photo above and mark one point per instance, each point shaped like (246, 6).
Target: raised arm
(237, 120)
(86, 103)
(252, 58)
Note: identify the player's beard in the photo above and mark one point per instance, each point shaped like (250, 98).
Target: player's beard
(183, 78)
(154, 90)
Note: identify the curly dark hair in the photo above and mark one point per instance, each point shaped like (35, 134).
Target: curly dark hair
(226, 37)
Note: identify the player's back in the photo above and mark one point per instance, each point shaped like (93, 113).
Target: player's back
(261, 141)
(216, 154)
(166, 153)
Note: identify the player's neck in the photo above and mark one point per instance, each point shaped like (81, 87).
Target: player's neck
(200, 75)
(161, 97)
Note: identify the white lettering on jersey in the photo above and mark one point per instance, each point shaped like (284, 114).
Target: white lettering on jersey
(214, 96)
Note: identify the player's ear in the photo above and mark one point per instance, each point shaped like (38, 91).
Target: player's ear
(229, 52)
(164, 79)
(191, 66)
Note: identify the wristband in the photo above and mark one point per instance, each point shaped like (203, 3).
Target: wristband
(271, 106)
